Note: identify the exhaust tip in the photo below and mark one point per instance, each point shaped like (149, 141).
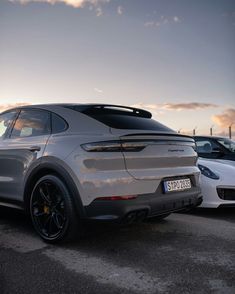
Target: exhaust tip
(136, 216)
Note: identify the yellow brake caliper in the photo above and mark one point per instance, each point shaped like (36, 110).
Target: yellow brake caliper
(46, 209)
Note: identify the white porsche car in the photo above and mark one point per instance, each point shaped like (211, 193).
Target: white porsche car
(217, 183)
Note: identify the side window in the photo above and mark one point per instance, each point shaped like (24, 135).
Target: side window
(205, 146)
(31, 123)
(58, 124)
(5, 121)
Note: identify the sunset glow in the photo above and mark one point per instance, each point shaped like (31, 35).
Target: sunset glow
(176, 61)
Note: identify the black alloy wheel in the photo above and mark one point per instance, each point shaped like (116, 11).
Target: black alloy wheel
(52, 211)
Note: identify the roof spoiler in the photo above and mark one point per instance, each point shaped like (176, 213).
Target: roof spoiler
(110, 109)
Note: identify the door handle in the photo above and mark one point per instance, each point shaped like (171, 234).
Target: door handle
(34, 148)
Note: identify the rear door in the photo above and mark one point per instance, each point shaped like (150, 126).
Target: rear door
(23, 147)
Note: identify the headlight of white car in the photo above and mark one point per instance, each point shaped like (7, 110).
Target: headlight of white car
(207, 172)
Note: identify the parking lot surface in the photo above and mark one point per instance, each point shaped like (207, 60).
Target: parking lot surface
(185, 253)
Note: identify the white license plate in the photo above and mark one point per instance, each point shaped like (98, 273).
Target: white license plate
(176, 185)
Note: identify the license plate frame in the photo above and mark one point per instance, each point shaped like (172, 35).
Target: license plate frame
(176, 185)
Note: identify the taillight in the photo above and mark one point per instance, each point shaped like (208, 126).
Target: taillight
(127, 197)
(130, 145)
(134, 146)
(109, 146)
(114, 146)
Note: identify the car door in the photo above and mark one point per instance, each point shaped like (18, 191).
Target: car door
(226, 147)
(6, 120)
(22, 148)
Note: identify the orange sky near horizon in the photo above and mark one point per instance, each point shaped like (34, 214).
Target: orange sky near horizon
(182, 112)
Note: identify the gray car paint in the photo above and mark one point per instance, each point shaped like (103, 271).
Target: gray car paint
(94, 174)
(16, 156)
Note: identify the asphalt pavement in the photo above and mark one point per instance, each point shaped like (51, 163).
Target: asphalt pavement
(185, 253)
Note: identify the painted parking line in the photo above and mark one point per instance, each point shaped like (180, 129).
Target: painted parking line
(105, 272)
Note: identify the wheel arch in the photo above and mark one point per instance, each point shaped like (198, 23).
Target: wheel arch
(54, 168)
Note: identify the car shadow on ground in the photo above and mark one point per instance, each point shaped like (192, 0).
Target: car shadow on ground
(95, 232)
(15, 218)
(111, 233)
(227, 214)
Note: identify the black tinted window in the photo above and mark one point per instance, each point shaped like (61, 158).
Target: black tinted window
(31, 123)
(119, 121)
(227, 143)
(58, 124)
(123, 119)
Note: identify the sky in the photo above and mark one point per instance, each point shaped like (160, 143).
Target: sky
(174, 58)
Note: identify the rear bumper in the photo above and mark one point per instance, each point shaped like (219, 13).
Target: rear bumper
(144, 206)
(227, 205)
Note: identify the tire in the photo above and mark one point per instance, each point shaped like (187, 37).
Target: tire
(52, 211)
(157, 218)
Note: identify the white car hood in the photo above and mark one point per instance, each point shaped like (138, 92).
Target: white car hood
(226, 171)
(227, 162)
(220, 162)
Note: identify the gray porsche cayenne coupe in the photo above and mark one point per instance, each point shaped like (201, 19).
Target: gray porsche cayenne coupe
(68, 163)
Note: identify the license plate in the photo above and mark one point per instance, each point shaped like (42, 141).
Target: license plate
(176, 185)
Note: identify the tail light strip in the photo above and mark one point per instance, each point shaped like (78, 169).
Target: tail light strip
(131, 146)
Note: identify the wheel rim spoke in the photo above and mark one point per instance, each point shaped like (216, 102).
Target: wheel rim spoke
(59, 214)
(37, 204)
(58, 203)
(50, 227)
(56, 221)
(38, 214)
(44, 196)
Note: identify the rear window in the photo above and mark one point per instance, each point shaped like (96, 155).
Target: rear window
(58, 124)
(120, 119)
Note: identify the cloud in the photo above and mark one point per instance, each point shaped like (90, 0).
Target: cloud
(149, 23)
(225, 119)
(162, 20)
(176, 19)
(6, 106)
(147, 106)
(225, 133)
(176, 106)
(98, 90)
(120, 10)
(99, 11)
(73, 3)
(188, 106)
